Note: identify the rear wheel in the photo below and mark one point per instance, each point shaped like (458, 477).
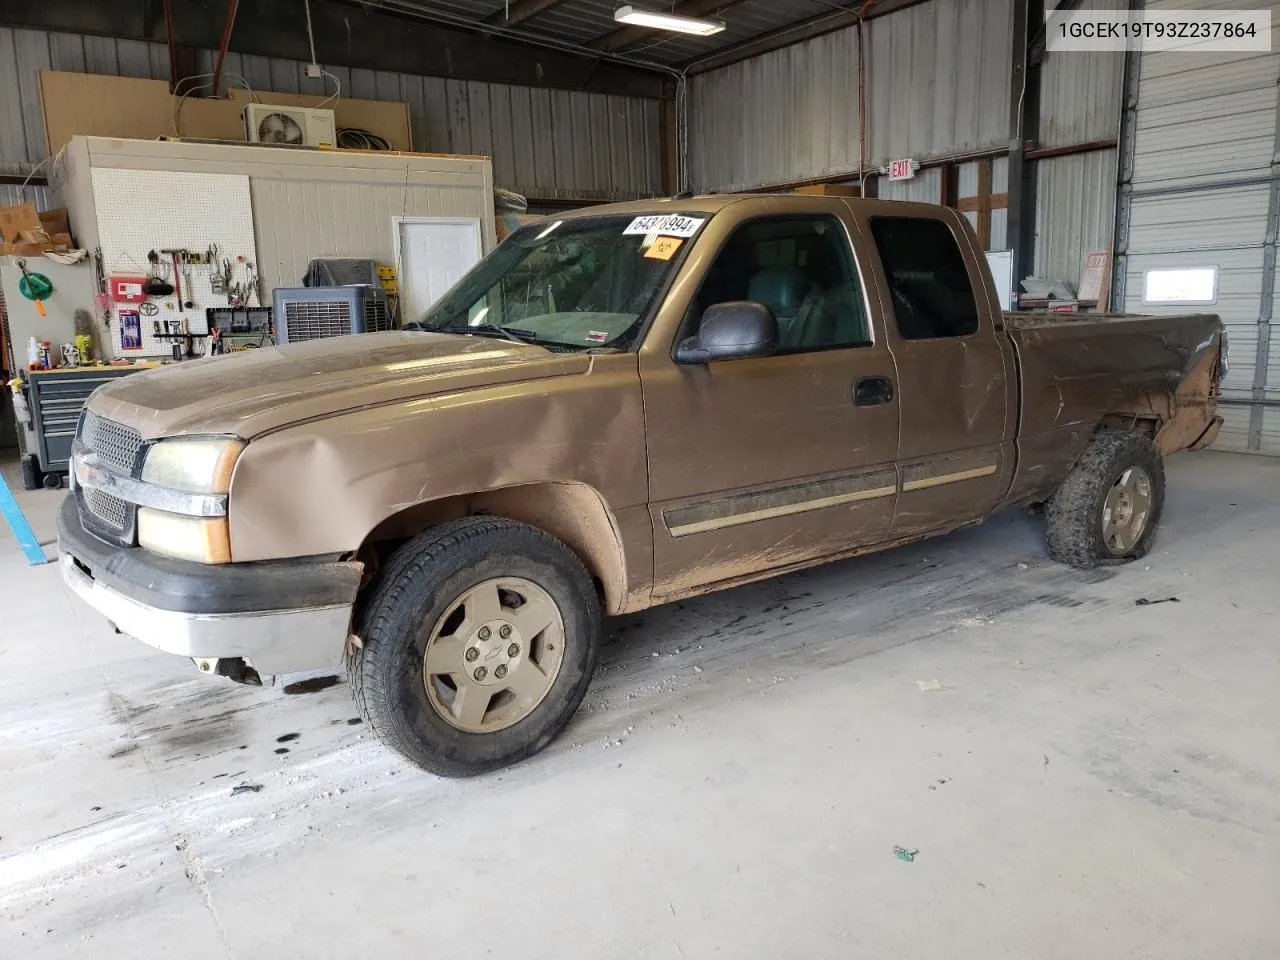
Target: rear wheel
(478, 645)
(1108, 508)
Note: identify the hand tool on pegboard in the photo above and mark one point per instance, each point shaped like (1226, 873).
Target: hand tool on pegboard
(176, 255)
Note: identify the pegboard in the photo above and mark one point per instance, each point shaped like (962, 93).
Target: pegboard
(143, 210)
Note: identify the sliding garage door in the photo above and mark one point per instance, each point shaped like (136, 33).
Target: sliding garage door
(1198, 213)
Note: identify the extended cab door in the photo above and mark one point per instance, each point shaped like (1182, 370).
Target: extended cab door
(957, 379)
(760, 463)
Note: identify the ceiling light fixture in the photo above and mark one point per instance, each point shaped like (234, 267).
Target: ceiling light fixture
(640, 17)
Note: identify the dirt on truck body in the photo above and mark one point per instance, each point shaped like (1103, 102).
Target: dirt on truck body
(615, 409)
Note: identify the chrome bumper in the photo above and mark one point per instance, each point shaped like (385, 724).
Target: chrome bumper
(274, 642)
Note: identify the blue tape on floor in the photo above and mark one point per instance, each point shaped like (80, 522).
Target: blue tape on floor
(18, 524)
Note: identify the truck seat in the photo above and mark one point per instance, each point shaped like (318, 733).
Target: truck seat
(796, 302)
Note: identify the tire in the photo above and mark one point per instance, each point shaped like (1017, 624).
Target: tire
(427, 588)
(53, 481)
(1077, 513)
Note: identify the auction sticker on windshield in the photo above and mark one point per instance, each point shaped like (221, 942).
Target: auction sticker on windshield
(663, 248)
(673, 225)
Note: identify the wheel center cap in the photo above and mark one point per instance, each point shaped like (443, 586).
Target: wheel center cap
(491, 651)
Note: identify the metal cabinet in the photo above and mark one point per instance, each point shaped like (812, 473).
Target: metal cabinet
(55, 398)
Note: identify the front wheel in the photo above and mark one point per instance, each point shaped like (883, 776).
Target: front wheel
(478, 645)
(1109, 506)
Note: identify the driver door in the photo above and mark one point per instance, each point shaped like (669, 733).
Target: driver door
(763, 463)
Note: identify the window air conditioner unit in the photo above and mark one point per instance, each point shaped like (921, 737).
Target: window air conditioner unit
(294, 126)
(313, 313)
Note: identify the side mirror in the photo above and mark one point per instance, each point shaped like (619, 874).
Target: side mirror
(731, 331)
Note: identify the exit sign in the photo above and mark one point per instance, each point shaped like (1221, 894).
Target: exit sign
(901, 169)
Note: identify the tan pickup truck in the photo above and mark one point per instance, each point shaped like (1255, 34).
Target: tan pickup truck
(619, 408)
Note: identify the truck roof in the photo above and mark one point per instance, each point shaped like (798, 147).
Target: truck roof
(714, 203)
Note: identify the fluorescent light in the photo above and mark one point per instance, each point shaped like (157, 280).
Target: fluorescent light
(639, 17)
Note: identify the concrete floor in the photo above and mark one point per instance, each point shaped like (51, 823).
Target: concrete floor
(1092, 779)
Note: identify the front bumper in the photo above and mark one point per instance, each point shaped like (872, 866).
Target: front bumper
(283, 616)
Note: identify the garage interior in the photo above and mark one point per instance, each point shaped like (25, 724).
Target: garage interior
(957, 747)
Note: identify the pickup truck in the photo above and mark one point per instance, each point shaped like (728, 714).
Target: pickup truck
(616, 408)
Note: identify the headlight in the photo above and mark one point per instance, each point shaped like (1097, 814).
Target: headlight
(193, 465)
(199, 539)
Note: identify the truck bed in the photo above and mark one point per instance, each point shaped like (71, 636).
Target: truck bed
(1141, 372)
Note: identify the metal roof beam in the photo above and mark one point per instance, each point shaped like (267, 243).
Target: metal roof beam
(518, 11)
(627, 36)
(370, 34)
(789, 36)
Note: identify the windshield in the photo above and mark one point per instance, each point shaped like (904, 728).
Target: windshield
(577, 284)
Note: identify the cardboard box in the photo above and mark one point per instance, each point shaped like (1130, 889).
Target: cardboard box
(55, 221)
(14, 220)
(58, 242)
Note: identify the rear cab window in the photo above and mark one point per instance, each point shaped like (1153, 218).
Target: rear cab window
(929, 285)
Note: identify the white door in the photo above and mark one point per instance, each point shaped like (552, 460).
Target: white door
(432, 254)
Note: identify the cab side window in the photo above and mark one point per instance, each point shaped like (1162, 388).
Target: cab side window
(928, 283)
(802, 269)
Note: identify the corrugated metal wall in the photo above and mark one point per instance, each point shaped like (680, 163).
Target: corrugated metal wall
(787, 115)
(938, 80)
(14, 193)
(544, 143)
(937, 86)
(1204, 191)
(1080, 92)
(1075, 211)
(924, 187)
(1080, 101)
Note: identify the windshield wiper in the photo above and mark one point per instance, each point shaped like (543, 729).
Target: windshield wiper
(493, 329)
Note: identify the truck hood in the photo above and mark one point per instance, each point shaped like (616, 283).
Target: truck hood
(256, 391)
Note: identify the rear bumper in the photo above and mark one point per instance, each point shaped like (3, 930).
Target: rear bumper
(281, 616)
(1210, 434)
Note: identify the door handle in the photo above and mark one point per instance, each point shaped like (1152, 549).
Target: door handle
(872, 391)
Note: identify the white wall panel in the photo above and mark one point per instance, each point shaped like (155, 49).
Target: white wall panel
(305, 203)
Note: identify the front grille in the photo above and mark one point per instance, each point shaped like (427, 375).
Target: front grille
(112, 442)
(120, 448)
(112, 511)
(315, 319)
